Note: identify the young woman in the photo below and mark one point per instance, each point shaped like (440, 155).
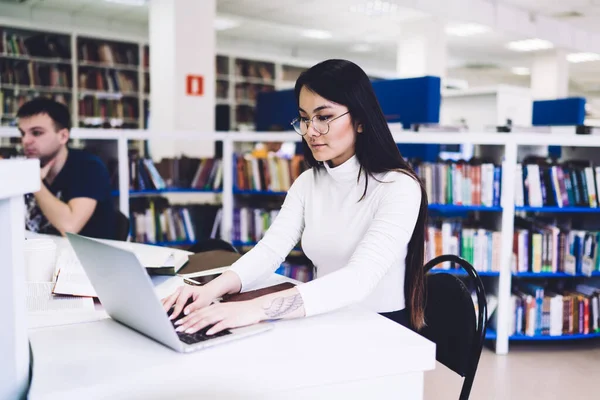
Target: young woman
(360, 212)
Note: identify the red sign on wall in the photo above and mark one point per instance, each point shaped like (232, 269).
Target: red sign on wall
(195, 85)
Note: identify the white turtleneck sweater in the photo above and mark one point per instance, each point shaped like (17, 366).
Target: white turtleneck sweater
(357, 247)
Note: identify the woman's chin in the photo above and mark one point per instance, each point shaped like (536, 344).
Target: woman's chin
(319, 156)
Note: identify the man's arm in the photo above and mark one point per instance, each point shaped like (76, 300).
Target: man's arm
(65, 217)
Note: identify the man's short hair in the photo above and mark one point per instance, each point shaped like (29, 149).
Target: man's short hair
(58, 112)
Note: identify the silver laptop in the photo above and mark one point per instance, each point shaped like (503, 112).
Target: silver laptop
(128, 295)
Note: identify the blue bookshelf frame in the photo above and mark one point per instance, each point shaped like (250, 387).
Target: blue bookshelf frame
(258, 192)
(461, 272)
(433, 207)
(166, 191)
(171, 244)
(537, 338)
(551, 275)
(238, 243)
(585, 210)
(490, 334)
(453, 207)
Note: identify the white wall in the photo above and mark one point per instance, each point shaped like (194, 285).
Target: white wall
(485, 107)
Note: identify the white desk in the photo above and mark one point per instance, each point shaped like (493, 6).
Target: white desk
(352, 353)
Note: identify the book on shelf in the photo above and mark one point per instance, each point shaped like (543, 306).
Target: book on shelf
(302, 273)
(472, 183)
(254, 69)
(35, 74)
(478, 246)
(249, 91)
(267, 173)
(183, 172)
(108, 53)
(91, 107)
(154, 220)
(541, 183)
(34, 44)
(107, 80)
(541, 247)
(251, 224)
(555, 311)
(11, 102)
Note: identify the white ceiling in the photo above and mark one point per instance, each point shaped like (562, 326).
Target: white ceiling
(481, 58)
(584, 13)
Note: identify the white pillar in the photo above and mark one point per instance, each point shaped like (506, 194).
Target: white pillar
(182, 44)
(550, 75)
(18, 177)
(422, 49)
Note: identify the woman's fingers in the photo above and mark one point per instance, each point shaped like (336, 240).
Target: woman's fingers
(199, 319)
(181, 300)
(198, 304)
(170, 300)
(224, 324)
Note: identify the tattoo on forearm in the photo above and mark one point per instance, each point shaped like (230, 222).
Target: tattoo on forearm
(283, 305)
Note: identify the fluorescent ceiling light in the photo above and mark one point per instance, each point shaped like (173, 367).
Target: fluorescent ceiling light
(530, 45)
(361, 48)
(465, 30)
(316, 34)
(224, 23)
(523, 71)
(129, 2)
(582, 57)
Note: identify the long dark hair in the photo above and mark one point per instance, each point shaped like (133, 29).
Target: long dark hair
(345, 83)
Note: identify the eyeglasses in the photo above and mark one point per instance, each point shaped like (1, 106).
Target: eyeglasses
(320, 124)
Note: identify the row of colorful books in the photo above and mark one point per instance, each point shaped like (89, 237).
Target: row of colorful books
(10, 102)
(108, 80)
(302, 273)
(541, 311)
(573, 183)
(156, 221)
(184, 172)
(268, 173)
(250, 224)
(461, 183)
(29, 73)
(539, 246)
(34, 44)
(93, 107)
(478, 246)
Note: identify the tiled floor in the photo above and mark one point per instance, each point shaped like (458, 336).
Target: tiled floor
(561, 371)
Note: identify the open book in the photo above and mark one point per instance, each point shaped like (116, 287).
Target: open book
(71, 278)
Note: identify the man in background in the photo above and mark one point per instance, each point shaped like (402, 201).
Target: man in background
(75, 191)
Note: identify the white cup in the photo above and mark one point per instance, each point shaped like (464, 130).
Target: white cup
(40, 260)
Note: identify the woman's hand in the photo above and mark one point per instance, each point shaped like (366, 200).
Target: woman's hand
(222, 316)
(200, 295)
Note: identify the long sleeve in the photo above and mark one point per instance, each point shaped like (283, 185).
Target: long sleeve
(383, 246)
(281, 237)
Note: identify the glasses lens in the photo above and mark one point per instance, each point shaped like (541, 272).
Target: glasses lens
(296, 124)
(320, 126)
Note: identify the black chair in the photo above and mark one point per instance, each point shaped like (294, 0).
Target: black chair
(121, 226)
(212, 244)
(451, 322)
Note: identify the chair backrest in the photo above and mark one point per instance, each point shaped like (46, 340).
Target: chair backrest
(212, 244)
(121, 226)
(452, 323)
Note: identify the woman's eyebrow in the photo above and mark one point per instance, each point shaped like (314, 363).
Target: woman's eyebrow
(323, 107)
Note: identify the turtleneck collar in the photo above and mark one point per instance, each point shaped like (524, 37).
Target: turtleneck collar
(345, 172)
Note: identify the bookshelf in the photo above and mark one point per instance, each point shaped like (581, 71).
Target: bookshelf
(507, 145)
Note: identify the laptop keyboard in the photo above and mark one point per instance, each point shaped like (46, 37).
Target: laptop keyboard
(199, 336)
